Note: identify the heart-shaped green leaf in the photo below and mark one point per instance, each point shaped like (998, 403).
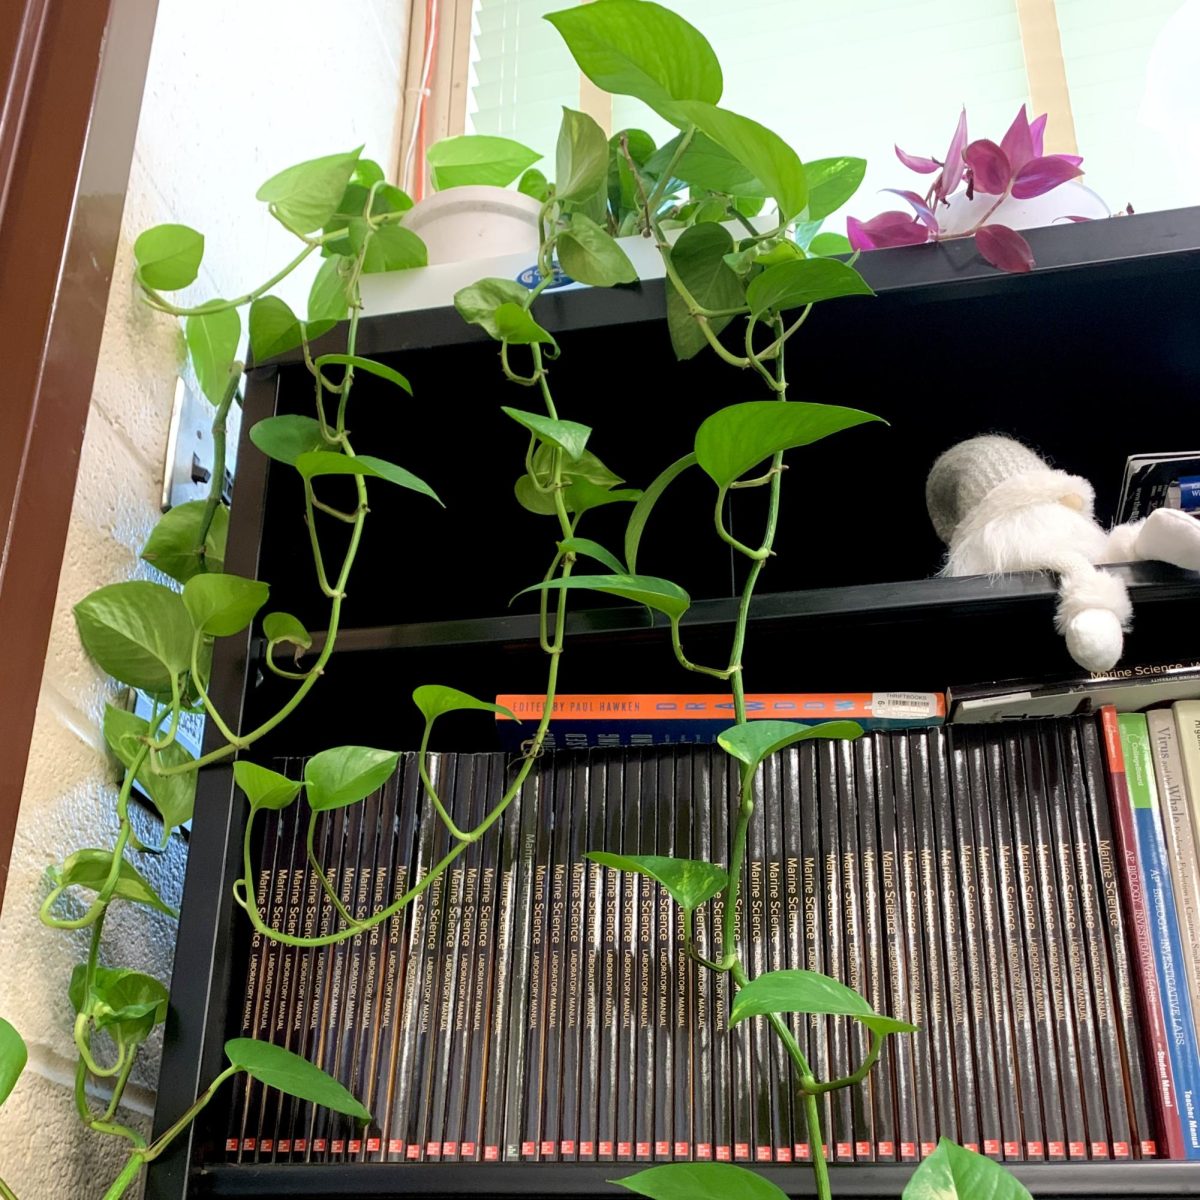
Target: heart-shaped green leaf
(305, 196)
(475, 159)
(660, 594)
(737, 438)
(638, 48)
(287, 437)
(830, 243)
(327, 299)
(641, 511)
(364, 364)
(89, 869)
(762, 152)
(953, 1172)
(222, 605)
(689, 882)
(265, 788)
(515, 325)
(212, 342)
(477, 304)
(13, 1057)
(589, 549)
(283, 627)
(274, 328)
(808, 992)
(174, 545)
(168, 256)
(394, 248)
(590, 255)
(752, 741)
(582, 157)
(345, 774)
(276, 1067)
(323, 462)
(434, 699)
(126, 1002)
(568, 436)
(174, 796)
(831, 182)
(706, 165)
(701, 1181)
(534, 183)
(699, 259)
(803, 281)
(138, 632)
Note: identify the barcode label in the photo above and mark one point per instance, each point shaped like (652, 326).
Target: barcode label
(905, 704)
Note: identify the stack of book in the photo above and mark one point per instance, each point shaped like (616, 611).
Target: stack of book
(531, 1005)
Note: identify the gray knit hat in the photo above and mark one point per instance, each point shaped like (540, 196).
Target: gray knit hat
(965, 473)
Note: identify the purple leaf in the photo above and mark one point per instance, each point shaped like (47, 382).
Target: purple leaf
(923, 166)
(1037, 134)
(1070, 218)
(1018, 141)
(990, 167)
(887, 229)
(1004, 248)
(952, 173)
(925, 214)
(1041, 175)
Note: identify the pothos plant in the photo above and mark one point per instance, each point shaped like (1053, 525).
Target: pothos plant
(159, 638)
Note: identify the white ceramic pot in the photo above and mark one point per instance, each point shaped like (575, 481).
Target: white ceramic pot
(1070, 199)
(475, 222)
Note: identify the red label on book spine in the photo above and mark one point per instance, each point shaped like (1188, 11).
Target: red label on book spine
(1012, 1149)
(395, 1146)
(285, 1145)
(927, 1148)
(991, 1146)
(231, 1144)
(723, 1154)
(887, 1149)
(844, 1150)
(802, 1151)
(373, 1144)
(491, 1154)
(683, 1149)
(741, 1150)
(863, 1148)
(908, 1150)
(783, 1154)
(762, 1153)
(468, 1149)
(662, 1147)
(567, 1147)
(1099, 1149)
(704, 1150)
(301, 1145)
(354, 1145)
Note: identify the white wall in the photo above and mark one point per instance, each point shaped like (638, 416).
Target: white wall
(237, 89)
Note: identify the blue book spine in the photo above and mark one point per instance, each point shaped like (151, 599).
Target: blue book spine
(1168, 944)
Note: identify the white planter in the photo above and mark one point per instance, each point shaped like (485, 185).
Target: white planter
(475, 222)
(1070, 199)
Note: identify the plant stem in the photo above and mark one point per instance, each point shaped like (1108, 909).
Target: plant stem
(129, 1173)
(151, 1152)
(214, 306)
(217, 484)
(6, 1192)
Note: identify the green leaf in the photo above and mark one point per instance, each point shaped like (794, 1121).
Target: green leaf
(830, 243)
(589, 549)
(434, 699)
(174, 545)
(138, 632)
(623, 197)
(222, 605)
(322, 462)
(365, 364)
(568, 436)
(327, 303)
(274, 328)
(831, 182)
(367, 172)
(581, 167)
(953, 1172)
(345, 774)
(286, 438)
(13, 1057)
(734, 439)
(643, 508)
(808, 992)
(89, 869)
(265, 788)
(587, 253)
(699, 258)
(305, 196)
(585, 466)
(700, 1181)
(689, 882)
(534, 183)
(212, 342)
(477, 159)
(393, 248)
(803, 281)
(583, 495)
(707, 166)
(273, 1066)
(752, 741)
(514, 324)
(168, 256)
(763, 153)
(126, 1002)
(660, 594)
(477, 304)
(174, 796)
(283, 627)
(637, 48)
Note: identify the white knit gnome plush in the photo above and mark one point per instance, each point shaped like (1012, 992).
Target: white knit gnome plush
(999, 507)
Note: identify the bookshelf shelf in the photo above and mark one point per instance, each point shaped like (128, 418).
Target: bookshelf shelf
(1060, 357)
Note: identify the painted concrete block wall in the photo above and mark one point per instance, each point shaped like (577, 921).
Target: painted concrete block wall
(237, 89)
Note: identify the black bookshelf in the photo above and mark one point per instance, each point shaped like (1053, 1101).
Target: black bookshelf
(1091, 357)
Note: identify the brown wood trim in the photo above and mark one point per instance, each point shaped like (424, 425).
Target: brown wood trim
(72, 95)
(1047, 73)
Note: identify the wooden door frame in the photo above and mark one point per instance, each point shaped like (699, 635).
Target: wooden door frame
(72, 80)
